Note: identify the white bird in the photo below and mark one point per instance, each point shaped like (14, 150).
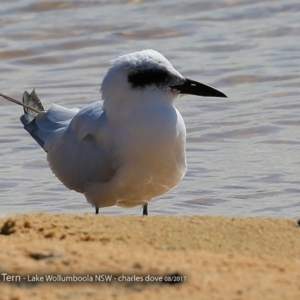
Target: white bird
(128, 148)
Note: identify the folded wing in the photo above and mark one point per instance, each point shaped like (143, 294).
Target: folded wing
(77, 141)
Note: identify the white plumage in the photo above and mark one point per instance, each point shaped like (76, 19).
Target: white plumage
(130, 147)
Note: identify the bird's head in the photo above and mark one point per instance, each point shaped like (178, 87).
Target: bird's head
(134, 76)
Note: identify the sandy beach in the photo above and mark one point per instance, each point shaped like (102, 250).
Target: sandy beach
(64, 256)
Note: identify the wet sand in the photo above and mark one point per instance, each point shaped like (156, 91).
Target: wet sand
(212, 257)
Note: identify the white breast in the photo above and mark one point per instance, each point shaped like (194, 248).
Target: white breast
(152, 154)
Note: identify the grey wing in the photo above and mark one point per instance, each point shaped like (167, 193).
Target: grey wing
(47, 125)
(82, 154)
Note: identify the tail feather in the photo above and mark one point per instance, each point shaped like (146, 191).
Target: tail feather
(28, 119)
(30, 125)
(32, 100)
(44, 126)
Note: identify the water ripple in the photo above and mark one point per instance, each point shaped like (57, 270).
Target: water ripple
(243, 151)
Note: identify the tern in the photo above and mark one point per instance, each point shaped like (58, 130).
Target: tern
(127, 148)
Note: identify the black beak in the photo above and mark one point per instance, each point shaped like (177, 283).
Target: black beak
(192, 87)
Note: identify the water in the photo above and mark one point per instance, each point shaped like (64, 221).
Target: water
(243, 152)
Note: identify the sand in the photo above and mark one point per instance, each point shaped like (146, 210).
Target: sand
(208, 257)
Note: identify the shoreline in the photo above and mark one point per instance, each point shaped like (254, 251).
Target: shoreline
(211, 257)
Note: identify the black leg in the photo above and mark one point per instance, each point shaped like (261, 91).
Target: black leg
(145, 209)
(97, 210)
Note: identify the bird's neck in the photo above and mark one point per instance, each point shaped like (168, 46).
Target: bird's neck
(142, 104)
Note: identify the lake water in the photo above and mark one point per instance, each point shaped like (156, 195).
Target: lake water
(243, 152)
